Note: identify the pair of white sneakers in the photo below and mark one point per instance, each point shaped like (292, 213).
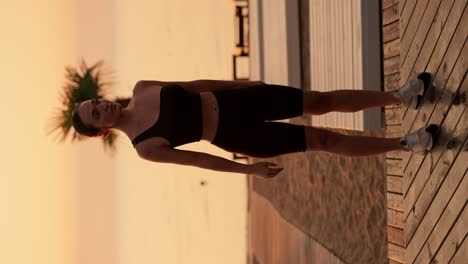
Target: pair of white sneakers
(411, 94)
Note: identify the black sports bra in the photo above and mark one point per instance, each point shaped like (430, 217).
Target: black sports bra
(180, 117)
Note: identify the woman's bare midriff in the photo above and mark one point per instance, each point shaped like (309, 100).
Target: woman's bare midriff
(210, 116)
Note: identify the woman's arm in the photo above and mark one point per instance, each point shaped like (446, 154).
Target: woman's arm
(192, 158)
(199, 86)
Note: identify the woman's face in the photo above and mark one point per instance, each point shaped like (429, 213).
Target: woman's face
(99, 113)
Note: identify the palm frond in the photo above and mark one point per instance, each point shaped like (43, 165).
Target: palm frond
(81, 84)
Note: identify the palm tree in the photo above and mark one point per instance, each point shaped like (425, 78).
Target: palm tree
(81, 86)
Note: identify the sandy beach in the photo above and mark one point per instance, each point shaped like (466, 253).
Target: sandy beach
(333, 201)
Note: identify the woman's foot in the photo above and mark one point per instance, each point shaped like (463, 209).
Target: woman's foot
(412, 93)
(420, 141)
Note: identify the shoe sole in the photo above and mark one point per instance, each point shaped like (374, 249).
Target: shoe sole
(427, 80)
(432, 129)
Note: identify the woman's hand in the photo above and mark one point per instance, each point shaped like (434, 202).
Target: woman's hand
(262, 169)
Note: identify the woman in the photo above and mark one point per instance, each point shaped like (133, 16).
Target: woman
(233, 115)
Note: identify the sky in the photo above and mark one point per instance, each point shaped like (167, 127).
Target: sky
(74, 203)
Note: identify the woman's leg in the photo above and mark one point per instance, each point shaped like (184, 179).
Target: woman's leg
(317, 103)
(324, 140)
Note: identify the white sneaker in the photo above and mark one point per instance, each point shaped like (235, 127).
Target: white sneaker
(420, 141)
(412, 93)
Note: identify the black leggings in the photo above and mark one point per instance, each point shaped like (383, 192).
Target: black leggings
(243, 116)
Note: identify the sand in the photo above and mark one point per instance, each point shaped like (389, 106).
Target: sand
(337, 201)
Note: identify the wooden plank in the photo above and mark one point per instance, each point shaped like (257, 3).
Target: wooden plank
(426, 42)
(453, 52)
(391, 35)
(347, 32)
(392, 81)
(442, 186)
(394, 131)
(342, 54)
(393, 116)
(349, 52)
(409, 118)
(389, 3)
(433, 112)
(394, 168)
(323, 45)
(414, 23)
(330, 57)
(396, 154)
(392, 48)
(336, 42)
(442, 69)
(348, 119)
(392, 65)
(331, 50)
(396, 252)
(411, 48)
(315, 37)
(345, 39)
(391, 31)
(416, 173)
(391, 261)
(402, 6)
(405, 15)
(440, 80)
(454, 240)
(443, 27)
(395, 201)
(395, 236)
(314, 47)
(439, 159)
(439, 114)
(394, 185)
(390, 15)
(336, 54)
(461, 255)
(437, 235)
(357, 47)
(416, 177)
(395, 218)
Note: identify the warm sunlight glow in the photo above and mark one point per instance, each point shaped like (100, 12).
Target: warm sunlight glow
(38, 190)
(72, 203)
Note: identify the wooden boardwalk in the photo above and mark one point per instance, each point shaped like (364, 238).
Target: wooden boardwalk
(391, 56)
(427, 220)
(426, 196)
